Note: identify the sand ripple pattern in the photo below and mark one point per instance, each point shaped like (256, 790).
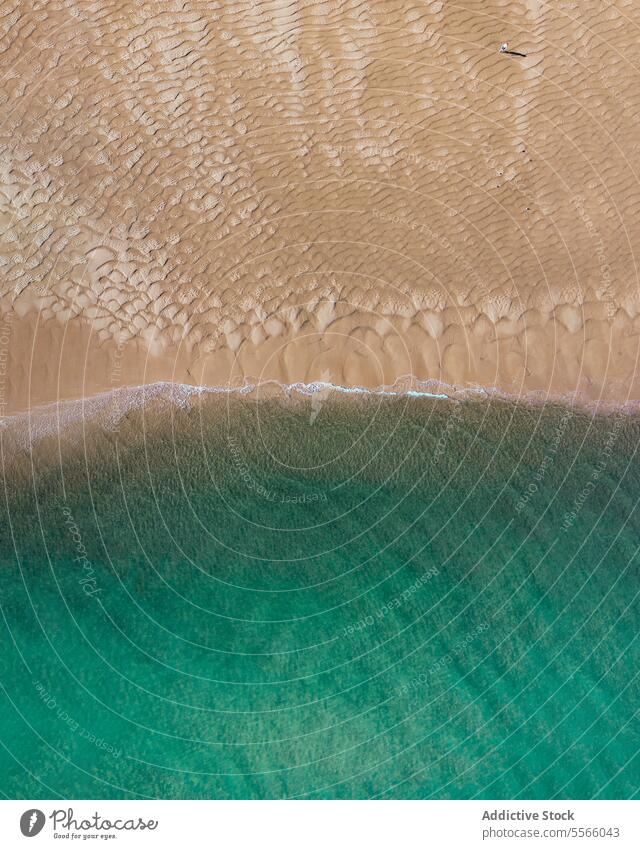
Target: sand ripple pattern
(349, 192)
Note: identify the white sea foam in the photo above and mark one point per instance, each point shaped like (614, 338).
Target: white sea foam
(111, 406)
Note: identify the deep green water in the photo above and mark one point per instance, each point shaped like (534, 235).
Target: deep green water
(389, 600)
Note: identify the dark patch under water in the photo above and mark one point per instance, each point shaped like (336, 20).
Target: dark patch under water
(330, 598)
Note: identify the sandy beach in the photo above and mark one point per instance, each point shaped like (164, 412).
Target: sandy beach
(360, 195)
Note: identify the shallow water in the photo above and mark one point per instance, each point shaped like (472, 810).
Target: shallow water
(323, 597)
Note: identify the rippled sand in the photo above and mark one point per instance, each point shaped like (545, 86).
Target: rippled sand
(353, 193)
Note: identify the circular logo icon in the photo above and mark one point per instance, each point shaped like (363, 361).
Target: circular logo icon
(32, 822)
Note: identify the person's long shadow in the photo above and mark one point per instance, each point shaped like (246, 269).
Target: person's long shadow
(514, 53)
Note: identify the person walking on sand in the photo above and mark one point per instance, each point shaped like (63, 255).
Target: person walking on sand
(504, 48)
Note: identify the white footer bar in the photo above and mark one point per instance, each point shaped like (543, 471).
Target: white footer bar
(320, 825)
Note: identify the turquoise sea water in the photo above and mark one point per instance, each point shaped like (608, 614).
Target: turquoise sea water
(330, 597)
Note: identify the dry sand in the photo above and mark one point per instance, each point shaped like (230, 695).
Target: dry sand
(343, 191)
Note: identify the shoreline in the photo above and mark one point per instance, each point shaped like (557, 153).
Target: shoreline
(114, 404)
(48, 363)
